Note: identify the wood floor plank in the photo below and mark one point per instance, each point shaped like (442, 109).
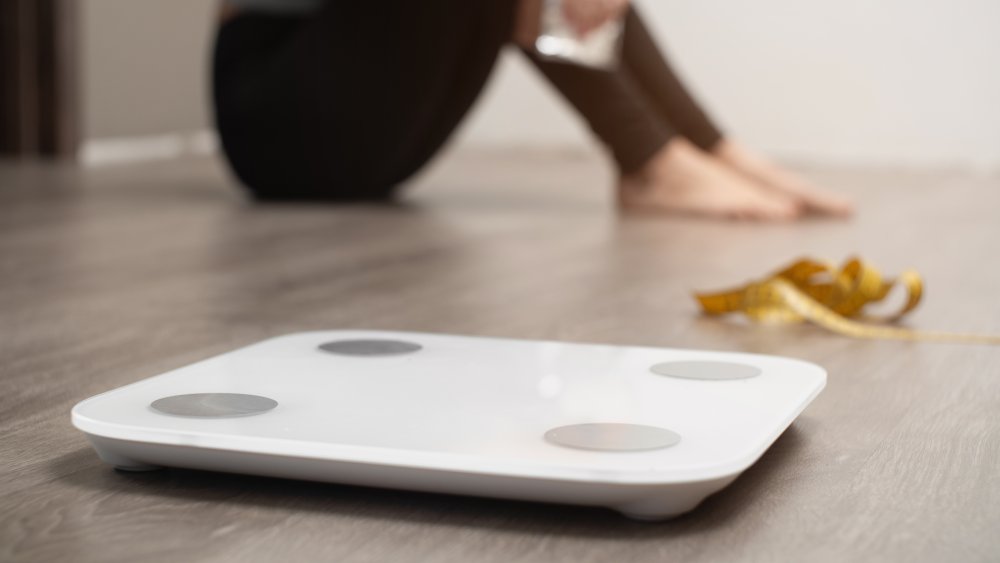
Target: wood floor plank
(111, 275)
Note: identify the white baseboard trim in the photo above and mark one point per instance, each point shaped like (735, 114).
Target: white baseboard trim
(125, 150)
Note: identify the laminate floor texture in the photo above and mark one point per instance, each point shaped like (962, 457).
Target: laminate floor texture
(112, 275)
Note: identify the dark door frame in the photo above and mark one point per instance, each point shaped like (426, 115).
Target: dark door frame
(39, 101)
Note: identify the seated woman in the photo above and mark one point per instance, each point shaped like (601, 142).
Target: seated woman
(343, 100)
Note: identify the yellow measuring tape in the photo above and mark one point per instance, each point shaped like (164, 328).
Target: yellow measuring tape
(810, 290)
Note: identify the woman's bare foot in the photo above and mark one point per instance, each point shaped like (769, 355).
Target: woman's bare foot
(759, 169)
(684, 180)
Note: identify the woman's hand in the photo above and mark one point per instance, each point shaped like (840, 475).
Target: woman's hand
(587, 15)
(584, 15)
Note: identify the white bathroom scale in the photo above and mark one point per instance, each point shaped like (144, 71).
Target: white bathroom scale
(649, 432)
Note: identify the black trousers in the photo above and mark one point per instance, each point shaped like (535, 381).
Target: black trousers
(348, 103)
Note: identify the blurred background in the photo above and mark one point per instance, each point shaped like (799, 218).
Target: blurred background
(888, 82)
(895, 82)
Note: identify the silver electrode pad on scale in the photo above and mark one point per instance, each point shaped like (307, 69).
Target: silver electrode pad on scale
(558, 41)
(649, 432)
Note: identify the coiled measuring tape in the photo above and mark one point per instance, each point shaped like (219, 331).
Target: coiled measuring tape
(815, 291)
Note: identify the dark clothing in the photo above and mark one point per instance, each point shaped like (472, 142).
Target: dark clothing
(347, 103)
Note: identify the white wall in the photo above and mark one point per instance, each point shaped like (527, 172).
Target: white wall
(857, 81)
(143, 64)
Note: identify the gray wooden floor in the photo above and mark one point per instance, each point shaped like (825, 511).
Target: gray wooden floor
(113, 275)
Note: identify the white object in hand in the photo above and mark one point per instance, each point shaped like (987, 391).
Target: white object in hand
(559, 41)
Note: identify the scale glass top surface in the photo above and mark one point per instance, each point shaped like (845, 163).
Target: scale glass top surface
(476, 404)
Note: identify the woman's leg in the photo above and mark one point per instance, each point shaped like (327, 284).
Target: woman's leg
(614, 108)
(256, 114)
(661, 171)
(643, 59)
(367, 92)
(674, 103)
